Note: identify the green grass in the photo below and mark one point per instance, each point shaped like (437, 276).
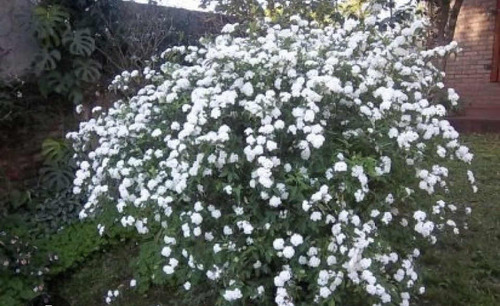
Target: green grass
(460, 270)
(105, 271)
(465, 269)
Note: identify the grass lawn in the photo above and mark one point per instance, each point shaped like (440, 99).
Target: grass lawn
(459, 270)
(465, 269)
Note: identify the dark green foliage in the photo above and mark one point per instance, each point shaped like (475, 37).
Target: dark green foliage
(64, 61)
(51, 255)
(47, 59)
(22, 269)
(79, 42)
(49, 24)
(56, 173)
(41, 235)
(87, 70)
(11, 198)
(19, 105)
(48, 204)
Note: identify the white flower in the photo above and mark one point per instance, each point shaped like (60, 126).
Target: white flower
(316, 140)
(278, 244)
(288, 252)
(166, 251)
(228, 189)
(275, 201)
(156, 133)
(340, 166)
(196, 218)
(324, 292)
(316, 216)
(419, 215)
(296, 239)
(79, 109)
(229, 28)
(260, 290)
(314, 262)
(168, 269)
(387, 217)
(232, 295)
(305, 205)
(216, 214)
(247, 89)
(227, 230)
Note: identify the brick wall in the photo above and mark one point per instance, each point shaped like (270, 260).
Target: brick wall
(469, 72)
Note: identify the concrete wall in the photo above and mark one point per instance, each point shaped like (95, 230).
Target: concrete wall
(469, 72)
(17, 47)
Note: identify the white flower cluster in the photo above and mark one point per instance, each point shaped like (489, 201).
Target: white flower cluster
(111, 296)
(290, 155)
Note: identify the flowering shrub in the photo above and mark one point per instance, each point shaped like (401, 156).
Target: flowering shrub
(294, 165)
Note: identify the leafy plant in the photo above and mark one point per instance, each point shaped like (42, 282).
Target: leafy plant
(87, 70)
(15, 105)
(79, 42)
(12, 198)
(22, 269)
(57, 171)
(57, 211)
(29, 263)
(55, 151)
(47, 59)
(49, 23)
(64, 60)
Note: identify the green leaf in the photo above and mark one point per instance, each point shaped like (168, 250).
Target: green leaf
(79, 42)
(55, 177)
(59, 83)
(54, 150)
(19, 198)
(49, 23)
(76, 96)
(87, 70)
(47, 59)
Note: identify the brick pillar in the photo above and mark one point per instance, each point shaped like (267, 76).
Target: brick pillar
(469, 72)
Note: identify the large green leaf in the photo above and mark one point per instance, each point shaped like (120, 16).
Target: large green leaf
(59, 83)
(79, 42)
(47, 59)
(56, 177)
(49, 24)
(87, 70)
(54, 150)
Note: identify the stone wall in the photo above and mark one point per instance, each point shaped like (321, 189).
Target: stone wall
(469, 72)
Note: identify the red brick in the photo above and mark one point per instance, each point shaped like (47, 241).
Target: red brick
(468, 73)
